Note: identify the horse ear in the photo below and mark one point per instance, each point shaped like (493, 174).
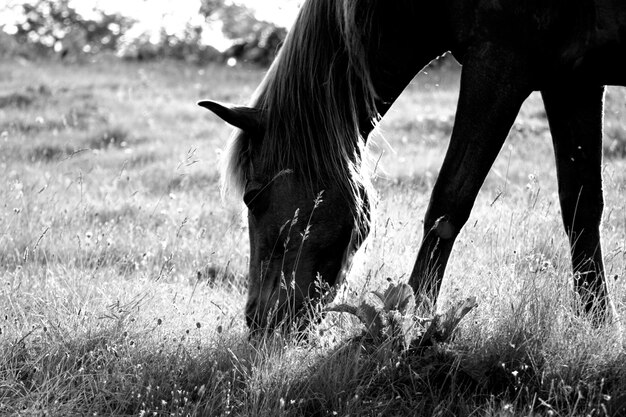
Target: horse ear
(248, 119)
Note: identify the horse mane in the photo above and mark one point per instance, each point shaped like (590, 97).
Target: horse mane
(316, 96)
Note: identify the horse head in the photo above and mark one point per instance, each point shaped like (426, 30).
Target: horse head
(302, 235)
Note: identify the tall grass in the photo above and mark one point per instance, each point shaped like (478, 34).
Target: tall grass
(124, 278)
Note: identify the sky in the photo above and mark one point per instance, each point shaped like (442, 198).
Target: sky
(173, 15)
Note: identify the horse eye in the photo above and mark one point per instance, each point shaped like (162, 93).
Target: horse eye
(256, 199)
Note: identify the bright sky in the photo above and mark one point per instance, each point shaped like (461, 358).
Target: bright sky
(173, 15)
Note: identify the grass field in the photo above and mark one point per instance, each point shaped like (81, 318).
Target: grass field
(123, 281)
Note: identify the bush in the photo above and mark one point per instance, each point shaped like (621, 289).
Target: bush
(256, 41)
(53, 26)
(260, 47)
(187, 47)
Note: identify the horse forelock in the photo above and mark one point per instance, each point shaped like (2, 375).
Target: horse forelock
(315, 95)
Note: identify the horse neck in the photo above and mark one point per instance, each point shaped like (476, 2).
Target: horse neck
(411, 37)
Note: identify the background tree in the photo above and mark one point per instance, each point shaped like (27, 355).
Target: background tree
(254, 40)
(53, 25)
(49, 27)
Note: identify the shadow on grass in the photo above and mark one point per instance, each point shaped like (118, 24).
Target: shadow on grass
(26, 98)
(49, 153)
(111, 138)
(48, 150)
(117, 372)
(357, 379)
(126, 370)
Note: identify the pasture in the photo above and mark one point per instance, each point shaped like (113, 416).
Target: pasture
(123, 275)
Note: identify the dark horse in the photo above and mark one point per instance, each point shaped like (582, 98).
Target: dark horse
(343, 65)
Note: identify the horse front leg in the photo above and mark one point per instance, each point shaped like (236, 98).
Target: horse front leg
(575, 116)
(494, 84)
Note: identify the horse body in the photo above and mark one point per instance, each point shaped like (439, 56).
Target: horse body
(509, 49)
(346, 61)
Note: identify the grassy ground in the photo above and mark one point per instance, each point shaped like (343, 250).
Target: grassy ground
(123, 276)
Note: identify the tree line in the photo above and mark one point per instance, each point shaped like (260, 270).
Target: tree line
(53, 28)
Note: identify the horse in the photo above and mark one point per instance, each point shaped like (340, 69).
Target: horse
(297, 156)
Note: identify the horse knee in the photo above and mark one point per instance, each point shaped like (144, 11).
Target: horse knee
(442, 227)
